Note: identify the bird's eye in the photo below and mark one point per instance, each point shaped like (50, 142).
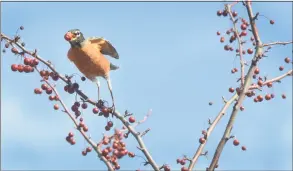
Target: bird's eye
(77, 33)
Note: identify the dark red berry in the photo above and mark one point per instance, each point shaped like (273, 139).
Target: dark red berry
(231, 90)
(84, 105)
(272, 22)
(84, 153)
(88, 149)
(14, 67)
(131, 119)
(56, 107)
(21, 27)
(95, 110)
(249, 51)
(107, 128)
(236, 142)
(243, 148)
(281, 68)
(109, 123)
(287, 60)
(202, 140)
(20, 68)
(219, 13)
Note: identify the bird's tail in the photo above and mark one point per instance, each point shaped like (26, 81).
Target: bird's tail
(113, 67)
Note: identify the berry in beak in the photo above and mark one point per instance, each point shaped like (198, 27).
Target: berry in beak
(68, 36)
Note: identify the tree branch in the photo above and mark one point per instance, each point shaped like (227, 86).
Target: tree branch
(210, 130)
(277, 43)
(241, 98)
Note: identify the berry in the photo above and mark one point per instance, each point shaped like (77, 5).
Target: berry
(76, 104)
(49, 91)
(218, 33)
(6, 45)
(243, 33)
(74, 108)
(184, 168)
(56, 107)
(268, 97)
(249, 51)
(260, 83)
(21, 27)
(243, 148)
(84, 153)
(243, 26)
(72, 142)
(84, 106)
(23, 44)
(236, 142)
(130, 154)
(110, 124)
(26, 61)
(14, 67)
(70, 134)
(117, 166)
(287, 60)
(255, 99)
(88, 149)
(43, 73)
(259, 98)
(272, 95)
(77, 113)
(85, 128)
(44, 86)
(51, 97)
(95, 110)
(241, 108)
(202, 140)
(35, 62)
(256, 71)
(81, 124)
(83, 78)
(219, 13)
(182, 162)
(107, 128)
(14, 50)
(75, 86)
(281, 68)
(234, 14)
(37, 91)
(225, 13)
(131, 119)
(272, 22)
(210, 103)
(231, 90)
(283, 96)
(222, 39)
(20, 68)
(270, 84)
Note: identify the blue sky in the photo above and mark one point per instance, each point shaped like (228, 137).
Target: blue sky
(171, 62)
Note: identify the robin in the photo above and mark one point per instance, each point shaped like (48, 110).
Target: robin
(88, 57)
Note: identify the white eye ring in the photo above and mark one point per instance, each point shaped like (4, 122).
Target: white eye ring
(77, 33)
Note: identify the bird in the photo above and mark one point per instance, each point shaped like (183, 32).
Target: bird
(88, 55)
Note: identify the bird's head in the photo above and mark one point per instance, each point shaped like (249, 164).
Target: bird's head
(74, 37)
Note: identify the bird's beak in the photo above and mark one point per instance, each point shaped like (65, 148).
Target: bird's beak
(68, 36)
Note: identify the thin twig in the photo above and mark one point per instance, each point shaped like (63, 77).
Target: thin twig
(277, 43)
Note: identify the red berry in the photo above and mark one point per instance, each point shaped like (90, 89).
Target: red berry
(234, 14)
(283, 96)
(117, 166)
(259, 98)
(84, 105)
(249, 51)
(85, 128)
(105, 152)
(243, 33)
(49, 91)
(182, 162)
(260, 83)
(236, 142)
(131, 119)
(107, 128)
(218, 33)
(219, 13)
(6, 45)
(72, 142)
(35, 62)
(37, 91)
(281, 68)
(167, 168)
(231, 90)
(243, 26)
(184, 168)
(95, 110)
(287, 60)
(20, 68)
(222, 39)
(69, 139)
(272, 22)
(81, 124)
(14, 67)
(270, 84)
(56, 107)
(225, 13)
(14, 50)
(84, 153)
(51, 97)
(110, 124)
(26, 61)
(44, 86)
(241, 108)
(243, 148)
(88, 149)
(70, 134)
(202, 140)
(226, 47)
(255, 99)
(130, 154)
(256, 71)
(272, 95)
(268, 97)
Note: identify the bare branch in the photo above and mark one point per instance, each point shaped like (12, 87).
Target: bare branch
(209, 131)
(277, 43)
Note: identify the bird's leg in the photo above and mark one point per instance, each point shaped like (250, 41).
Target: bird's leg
(110, 88)
(98, 84)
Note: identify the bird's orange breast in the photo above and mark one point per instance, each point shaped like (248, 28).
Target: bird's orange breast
(89, 60)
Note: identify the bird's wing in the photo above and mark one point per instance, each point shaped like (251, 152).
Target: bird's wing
(105, 46)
